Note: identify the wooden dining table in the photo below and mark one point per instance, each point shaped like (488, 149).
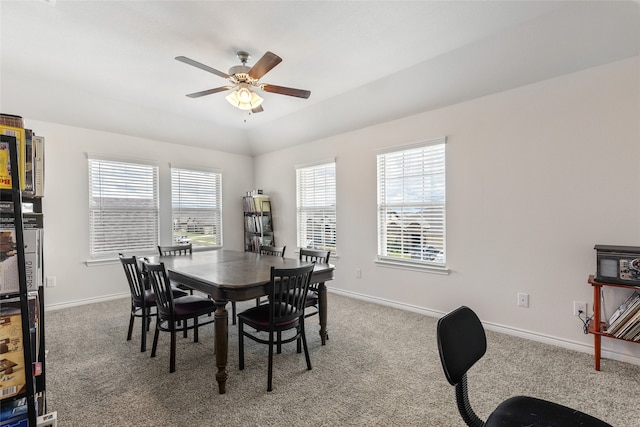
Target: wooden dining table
(227, 275)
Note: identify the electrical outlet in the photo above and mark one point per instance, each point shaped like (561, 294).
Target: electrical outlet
(358, 273)
(523, 300)
(50, 281)
(579, 306)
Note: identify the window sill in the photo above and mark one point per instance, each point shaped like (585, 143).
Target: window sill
(99, 262)
(115, 260)
(426, 268)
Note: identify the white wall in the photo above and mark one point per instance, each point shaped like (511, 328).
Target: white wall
(66, 203)
(535, 177)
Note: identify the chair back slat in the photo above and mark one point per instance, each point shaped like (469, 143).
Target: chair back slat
(175, 250)
(316, 255)
(273, 250)
(288, 292)
(134, 277)
(162, 288)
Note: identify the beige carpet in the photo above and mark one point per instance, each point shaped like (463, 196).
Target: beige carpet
(379, 368)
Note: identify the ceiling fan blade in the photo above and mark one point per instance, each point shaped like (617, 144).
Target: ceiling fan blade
(202, 66)
(286, 91)
(258, 109)
(264, 65)
(209, 91)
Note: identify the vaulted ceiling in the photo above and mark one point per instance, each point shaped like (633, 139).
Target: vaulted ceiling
(109, 65)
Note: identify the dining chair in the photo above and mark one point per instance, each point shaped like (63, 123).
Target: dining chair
(312, 301)
(171, 310)
(187, 249)
(272, 251)
(319, 256)
(278, 316)
(184, 249)
(142, 298)
(461, 343)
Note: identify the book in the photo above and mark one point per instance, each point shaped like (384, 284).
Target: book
(9, 280)
(266, 224)
(628, 311)
(32, 240)
(28, 162)
(29, 219)
(11, 120)
(622, 307)
(256, 203)
(35, 329)
(12, 360)
(48, 420)
(33, 258)
(38, 165)
(632, 330)
(626, 329)
(14, 412)
(261, 203)
(5, 162)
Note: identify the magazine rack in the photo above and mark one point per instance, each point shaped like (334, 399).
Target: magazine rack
(597, 326)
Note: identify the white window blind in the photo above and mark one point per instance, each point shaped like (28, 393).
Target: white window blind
(411, 204)
(196, 207)
(123, 207)
(316, 206)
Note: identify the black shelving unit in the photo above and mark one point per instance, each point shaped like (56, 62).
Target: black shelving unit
(258, 222)
(31, 312)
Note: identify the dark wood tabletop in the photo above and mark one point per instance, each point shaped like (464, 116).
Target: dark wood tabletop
(231, 275)
(228, 275)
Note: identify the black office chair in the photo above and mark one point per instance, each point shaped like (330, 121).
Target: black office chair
(278, 316)
(461, 343)
(171, 310)
(142, 299)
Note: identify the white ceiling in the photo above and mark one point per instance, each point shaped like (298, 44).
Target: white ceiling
(109, 65)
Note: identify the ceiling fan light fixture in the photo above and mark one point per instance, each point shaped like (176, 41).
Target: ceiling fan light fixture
(244, 99)
(243, 79)
(244, 95)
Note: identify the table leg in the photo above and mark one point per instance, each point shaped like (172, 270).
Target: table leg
(322, 312)
(222, 344)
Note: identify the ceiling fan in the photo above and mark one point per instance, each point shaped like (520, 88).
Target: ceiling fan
(244, 78)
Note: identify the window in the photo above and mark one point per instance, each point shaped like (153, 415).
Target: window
(316, 205)
(411, 204)
(123, 207)
(196, 207)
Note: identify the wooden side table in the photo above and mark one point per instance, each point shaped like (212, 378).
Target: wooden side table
(598, 327)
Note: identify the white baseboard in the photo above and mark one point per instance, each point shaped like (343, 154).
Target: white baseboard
(508, 330)
(60, 306)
